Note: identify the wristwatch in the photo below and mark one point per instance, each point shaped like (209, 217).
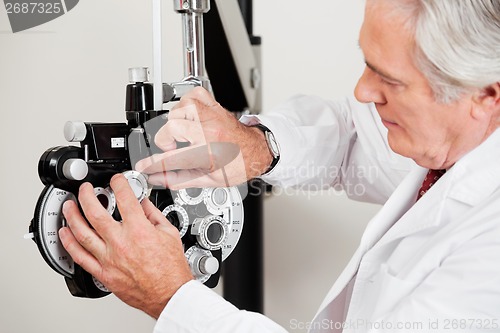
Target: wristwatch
(272, 145)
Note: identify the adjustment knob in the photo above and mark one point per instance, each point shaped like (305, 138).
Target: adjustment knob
(138, 183)
(75, 131)
(75, 169)
(138, 74)
(203, 264)
(178, 217)
(208, 265)
(219, 196)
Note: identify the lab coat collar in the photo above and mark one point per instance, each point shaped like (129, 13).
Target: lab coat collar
(476, 175)
(473, 178)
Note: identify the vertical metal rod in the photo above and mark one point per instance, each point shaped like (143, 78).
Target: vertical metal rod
(194, 41)
(157, 55)
(194, 45)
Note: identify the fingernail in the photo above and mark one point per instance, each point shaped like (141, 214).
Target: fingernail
(138, 167)
(62, 232)
(156, 181)
(116, 177)
(65, 207)
(85, 185)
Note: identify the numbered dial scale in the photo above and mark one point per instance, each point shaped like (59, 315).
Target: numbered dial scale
(45, 226)
(209, 221)
(215, 216)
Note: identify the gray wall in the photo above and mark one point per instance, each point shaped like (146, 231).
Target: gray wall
(75, 68)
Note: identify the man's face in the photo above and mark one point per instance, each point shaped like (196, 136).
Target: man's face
(434, 135)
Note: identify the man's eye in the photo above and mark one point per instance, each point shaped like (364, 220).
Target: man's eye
(388, 82)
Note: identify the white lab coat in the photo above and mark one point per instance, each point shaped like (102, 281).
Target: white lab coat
(430, 266)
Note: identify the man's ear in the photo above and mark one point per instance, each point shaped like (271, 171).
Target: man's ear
(486, 101)
(488, 96)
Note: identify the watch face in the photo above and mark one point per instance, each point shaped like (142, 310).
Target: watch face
(273, 145)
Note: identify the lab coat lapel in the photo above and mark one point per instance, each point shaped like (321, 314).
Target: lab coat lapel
(399, 203)
(401, 200)
(423, 214)
(459, 185)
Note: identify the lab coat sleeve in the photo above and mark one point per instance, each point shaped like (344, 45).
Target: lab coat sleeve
(195, 308)
(340, 144)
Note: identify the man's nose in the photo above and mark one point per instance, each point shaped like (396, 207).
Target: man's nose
(368, 89)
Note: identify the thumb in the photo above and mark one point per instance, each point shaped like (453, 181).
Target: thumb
(153, 214)
(201, 95)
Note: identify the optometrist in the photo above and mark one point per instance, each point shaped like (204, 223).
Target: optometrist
(426, 112)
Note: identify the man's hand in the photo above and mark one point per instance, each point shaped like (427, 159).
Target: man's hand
(140, 260)
(223, 152)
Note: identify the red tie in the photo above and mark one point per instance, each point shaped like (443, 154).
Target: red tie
(431, 178)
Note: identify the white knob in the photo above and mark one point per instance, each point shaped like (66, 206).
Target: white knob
(75, 169)
(219, 196)
(202, 263)
(138, 183)
(209, 265)
(75, 131)
(138, 74)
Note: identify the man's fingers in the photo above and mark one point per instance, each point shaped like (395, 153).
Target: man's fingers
(184, 110)
(127, 202)
(197, 96)
(184, 158)
(203, 96)
(206, 158)
(152, 213)
(176, 180)
(179, 130)
(95, 213)
(78, 253)
(81, 232)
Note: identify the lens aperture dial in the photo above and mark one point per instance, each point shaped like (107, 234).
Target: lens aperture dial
(178, 216)
(211, 232)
